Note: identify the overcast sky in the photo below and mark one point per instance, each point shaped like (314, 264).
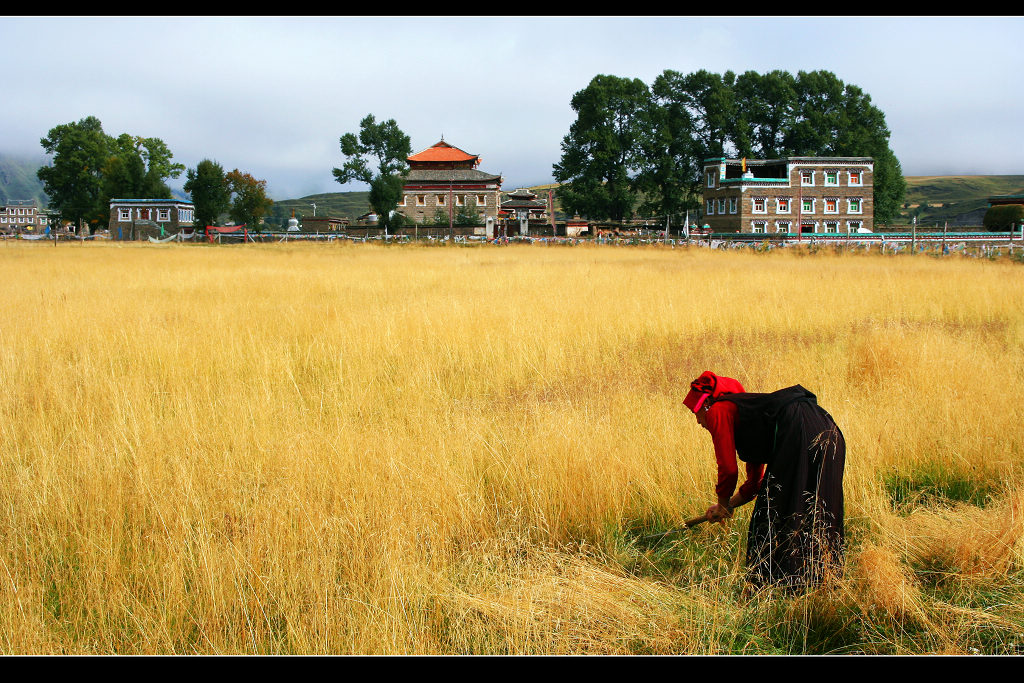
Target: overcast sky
(272, 96)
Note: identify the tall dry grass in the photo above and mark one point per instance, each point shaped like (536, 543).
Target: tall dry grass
(364, 449)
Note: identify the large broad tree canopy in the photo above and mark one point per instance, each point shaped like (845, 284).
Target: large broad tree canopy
(89, 168)
(73, 181)
(138, 169)
(600, 155)
(630, 144)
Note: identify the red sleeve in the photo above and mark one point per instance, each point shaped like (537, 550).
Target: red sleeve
(721, 421)
(753, 482)
(721, 418)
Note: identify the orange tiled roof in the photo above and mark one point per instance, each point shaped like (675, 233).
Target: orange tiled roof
(442, 151)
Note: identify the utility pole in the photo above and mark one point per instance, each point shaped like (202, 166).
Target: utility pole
(551, 211)
(799, 207)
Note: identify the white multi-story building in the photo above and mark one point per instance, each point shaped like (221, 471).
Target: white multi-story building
(21, 216)
(789, 195)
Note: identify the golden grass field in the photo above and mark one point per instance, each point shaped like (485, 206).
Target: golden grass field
(451, 450)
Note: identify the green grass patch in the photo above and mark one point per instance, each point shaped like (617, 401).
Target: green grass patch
(937, 483)
(707, 554)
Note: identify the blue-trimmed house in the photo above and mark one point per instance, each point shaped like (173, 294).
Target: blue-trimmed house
(136, 219)
(791, 195)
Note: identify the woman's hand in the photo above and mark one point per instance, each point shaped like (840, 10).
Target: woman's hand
(718, 513)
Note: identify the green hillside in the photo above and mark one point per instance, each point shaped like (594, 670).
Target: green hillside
(960, 200)
(334, 204)
(18, 179)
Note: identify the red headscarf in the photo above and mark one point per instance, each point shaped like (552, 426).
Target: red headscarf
(710, 385)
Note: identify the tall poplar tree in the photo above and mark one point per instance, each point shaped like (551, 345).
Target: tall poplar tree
(378, 157)
(601, 154)
(668, 173)
(765, 109)
(74, 179)
(208, 187)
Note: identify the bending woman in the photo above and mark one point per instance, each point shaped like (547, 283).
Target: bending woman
(795, 455)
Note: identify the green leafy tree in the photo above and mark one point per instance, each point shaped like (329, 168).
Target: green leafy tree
(837, 119)
(467, 215)
(124, 172)
(138, 169)
(159, 167)
(820, 118)
(249, 201)
(710, 105)
(765, 106)
(74, 180)
(389, 148)
(90, 168)
(670, 162)
(208, 186)
(626, 140)
(1002, 216)
(890, 186)
(441, 217)
(385, 193)
(777, 114)
(600, 154)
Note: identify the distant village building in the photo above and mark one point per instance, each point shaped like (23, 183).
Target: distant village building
(1005, 199)
(136, 219)
(523, 206)
(445, 177)
(1005, 212)
(804, 195)
(22, 216)
(576, 226)
(323, 224)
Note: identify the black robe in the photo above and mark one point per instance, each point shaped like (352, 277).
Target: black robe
(796, 533)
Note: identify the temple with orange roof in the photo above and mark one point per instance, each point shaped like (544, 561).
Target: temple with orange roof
(445, 177)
